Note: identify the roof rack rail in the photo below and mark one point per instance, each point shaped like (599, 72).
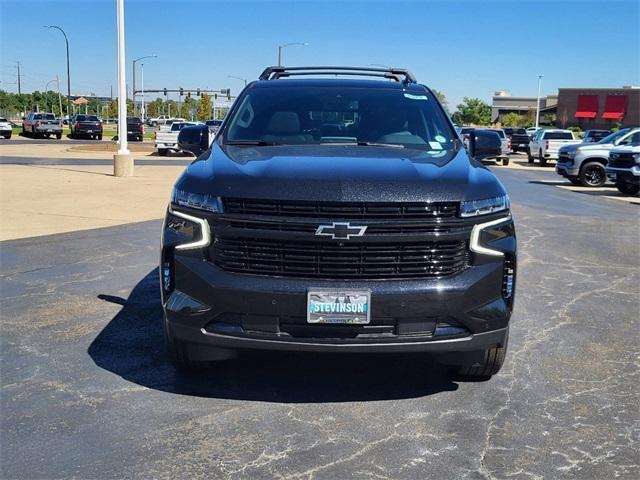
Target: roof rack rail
(397, 74)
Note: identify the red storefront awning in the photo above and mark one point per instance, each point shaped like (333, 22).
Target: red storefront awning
(587, 106)
(615, 107)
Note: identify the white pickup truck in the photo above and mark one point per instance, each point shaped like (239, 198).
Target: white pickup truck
(161, 120)
(546, 142)
(168, 139)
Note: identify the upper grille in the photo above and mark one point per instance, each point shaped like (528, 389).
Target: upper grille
(330, 259)
(341, 210)
(621, 161)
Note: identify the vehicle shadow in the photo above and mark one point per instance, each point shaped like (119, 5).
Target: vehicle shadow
(131, 346)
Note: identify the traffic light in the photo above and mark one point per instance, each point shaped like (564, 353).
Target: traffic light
(198, 92)
(181, 91)
(226, 91)
(165, 92)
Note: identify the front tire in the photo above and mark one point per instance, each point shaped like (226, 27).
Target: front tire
(7, 136)
(162, 152)
(529, 156)
(59, 135)
(627, 188)
(505, 161)
(490, 365)
(593, 174)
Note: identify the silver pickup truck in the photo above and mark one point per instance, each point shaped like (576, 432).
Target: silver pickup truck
(38, 124)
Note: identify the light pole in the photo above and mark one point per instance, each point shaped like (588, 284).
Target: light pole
(238, 78)
(66, 40)
(122, 160)
(133, 93)
(538, 100)
(280, 47)
(142, 112)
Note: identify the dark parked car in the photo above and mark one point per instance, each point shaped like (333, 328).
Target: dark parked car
(135, 129)
(519, 138)
(591, 136)
(86, 126)
(384, 236)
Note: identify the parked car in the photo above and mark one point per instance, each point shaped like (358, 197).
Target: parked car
(38, 124)
(5, 128)
(160, 120)
(167, 140)
(135, 129)
(519, 138)
(505, 146)
(591, 136)
(385, 238)
(624, 168)
(86, 126)
(545, 144)
(531, 131)
(584, 164)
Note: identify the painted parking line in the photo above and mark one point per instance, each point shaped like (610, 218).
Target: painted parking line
(605, 192)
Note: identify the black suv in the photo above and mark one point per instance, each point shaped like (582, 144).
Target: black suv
(340, 215)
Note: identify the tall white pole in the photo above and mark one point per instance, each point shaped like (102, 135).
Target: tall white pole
(123, 162)
(59, 97)
(142, 108)
(538, 101)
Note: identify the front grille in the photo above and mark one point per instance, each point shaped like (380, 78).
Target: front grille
(622, 161)
(330, 259)
(342, 210)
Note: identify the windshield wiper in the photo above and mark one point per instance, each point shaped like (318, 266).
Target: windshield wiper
(374, 144)
(256, 143)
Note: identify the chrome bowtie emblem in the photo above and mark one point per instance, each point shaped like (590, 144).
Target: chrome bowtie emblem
(341, 230)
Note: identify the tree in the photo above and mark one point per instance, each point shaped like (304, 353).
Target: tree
(514, 120)
(472, 111)
(204, 107)
(442, 98)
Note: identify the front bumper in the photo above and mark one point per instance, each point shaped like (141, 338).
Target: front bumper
(629, 175)
(464, 312)
(567, 169)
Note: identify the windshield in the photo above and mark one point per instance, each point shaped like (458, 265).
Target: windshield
(499, 132)
(86, 118)
(614, 136)
(558, 136)
(313, 115)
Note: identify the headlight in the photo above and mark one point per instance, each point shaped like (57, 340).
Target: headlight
(196, 200)
(473, 208)
(636, 157)
(572, 153)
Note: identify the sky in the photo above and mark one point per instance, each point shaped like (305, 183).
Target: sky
(461, 47)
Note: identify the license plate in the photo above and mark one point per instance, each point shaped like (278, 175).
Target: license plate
(49, 130)
(89, 131)
(339, 306)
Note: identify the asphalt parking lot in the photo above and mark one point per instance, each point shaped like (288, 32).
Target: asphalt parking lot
(87, 392)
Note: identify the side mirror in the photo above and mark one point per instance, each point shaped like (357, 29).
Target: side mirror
(484, 144)
(194, 139)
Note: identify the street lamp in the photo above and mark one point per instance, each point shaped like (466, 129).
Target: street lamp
(68, 70)
(280, 47)
(238, 78)
(538, 100)
(133, 93)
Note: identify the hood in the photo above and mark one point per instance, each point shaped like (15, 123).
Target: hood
(585, 147)
(338, 173)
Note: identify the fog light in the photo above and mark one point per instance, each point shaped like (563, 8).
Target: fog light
(183, 303)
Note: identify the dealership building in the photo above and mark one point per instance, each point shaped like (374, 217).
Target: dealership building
(587, 108)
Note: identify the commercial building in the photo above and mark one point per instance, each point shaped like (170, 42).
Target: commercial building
(602, 108)
(504, 103)
(587, 108)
